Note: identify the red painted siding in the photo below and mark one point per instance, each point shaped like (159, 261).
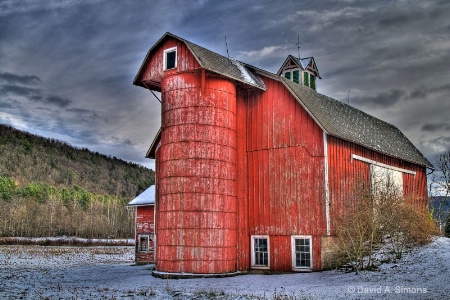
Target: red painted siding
(243, 238)
(145, 225)
(280, 150)
(145, 221)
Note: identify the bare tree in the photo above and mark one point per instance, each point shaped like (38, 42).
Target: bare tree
(443, 164)
(439, 187)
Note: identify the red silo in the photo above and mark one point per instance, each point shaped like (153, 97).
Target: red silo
(196, 228)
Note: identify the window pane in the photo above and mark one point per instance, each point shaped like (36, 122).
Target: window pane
(143, 243)
(305, 78)
(296, 77)
(260, 245)
(287, 75)
(261, 252)
(170, 59)
(312, 81)
(302, 253)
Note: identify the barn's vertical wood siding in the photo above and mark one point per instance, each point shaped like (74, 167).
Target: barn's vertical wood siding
(285, 160)
(346, 175)
(145, 224)
(243, 238)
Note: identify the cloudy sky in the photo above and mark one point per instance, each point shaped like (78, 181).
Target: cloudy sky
(67, 67)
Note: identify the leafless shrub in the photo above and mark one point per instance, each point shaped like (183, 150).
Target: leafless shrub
(381, 215)
(358, 234)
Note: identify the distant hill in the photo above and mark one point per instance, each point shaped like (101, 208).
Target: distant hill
(49, 188)
(29, 158)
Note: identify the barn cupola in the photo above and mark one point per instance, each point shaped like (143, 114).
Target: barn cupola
(302, 71)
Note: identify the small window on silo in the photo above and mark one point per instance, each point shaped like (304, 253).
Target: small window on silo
(170, 58)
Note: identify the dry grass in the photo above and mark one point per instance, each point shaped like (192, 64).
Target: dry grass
(64, 241)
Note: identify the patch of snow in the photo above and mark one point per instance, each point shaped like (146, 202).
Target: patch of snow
(244, 72)
(147, 197)
(108, 272)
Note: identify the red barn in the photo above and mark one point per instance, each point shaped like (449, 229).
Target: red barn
(144, 226)
(253, 168)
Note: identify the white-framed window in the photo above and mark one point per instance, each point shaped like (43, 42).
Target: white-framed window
(301, 252)
(144, 243)
(170, 58)
(260, 251)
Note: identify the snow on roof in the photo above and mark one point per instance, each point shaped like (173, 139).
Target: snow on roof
(248, 77)
(225, 66)
(147, 197)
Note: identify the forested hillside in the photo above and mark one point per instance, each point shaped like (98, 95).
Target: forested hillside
(48, 187)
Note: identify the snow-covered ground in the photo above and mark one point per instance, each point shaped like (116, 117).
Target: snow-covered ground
(37, 272)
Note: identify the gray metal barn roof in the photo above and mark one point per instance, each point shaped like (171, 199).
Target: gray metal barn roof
(351, 124)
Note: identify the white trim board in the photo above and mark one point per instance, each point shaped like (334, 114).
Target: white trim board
(327, 196)
(374, 162)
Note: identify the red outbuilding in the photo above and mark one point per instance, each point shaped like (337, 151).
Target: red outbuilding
(254, 168)
(144, 205)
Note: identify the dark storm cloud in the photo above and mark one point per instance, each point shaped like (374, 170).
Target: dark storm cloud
(423, 92)
(57, 100)
(19, 79)
(86, 114)
(381, 100)
(19, 86)
(401, 19)
(81, 111)
(8, 103)
(436, 126)
(16, 90)
(120, 140)
(34, 95)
